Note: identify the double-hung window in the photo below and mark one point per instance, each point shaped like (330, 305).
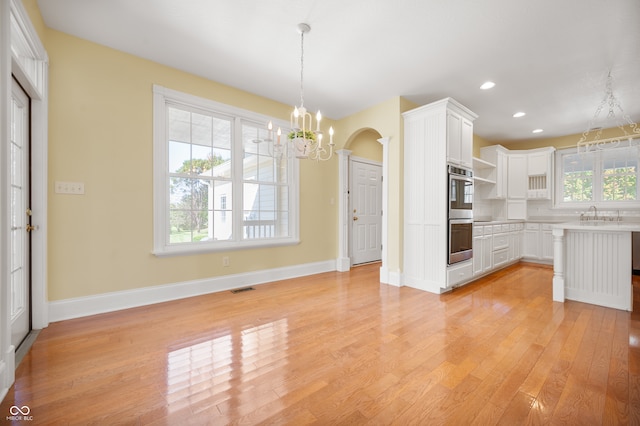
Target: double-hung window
(605, 177)
(216, 186)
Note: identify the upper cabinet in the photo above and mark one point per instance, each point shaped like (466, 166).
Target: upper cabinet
(540, 173)
(519, 176)
(517, 186)
(460, 137)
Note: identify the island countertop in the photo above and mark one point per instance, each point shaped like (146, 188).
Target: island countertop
(598, 226)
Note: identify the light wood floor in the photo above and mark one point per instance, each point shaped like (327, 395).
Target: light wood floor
(339, 348)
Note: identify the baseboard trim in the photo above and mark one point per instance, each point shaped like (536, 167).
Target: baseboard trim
(78, 307)
(389, 277)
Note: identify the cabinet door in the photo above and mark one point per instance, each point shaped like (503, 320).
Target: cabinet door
(502, 177)
(530, 246)
(538, 163)
(477, 255)
(487, 252)
(512, 246)
(453, 137)
(466, 143)
(517, 172)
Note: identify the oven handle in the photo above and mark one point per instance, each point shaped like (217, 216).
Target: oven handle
(460, 221)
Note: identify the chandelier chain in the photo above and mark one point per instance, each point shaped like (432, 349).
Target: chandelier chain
(302, 68)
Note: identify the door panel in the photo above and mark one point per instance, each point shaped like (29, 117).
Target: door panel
(366, 201)
(20, 216)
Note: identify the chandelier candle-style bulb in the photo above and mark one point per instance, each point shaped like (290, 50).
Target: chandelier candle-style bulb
(318, 118)
(270, 131)
(331, 135)
(296, 115)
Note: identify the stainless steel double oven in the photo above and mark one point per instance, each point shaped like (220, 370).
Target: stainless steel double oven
(460, 214)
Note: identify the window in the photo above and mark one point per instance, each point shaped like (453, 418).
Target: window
(606, 177)
(215, 185)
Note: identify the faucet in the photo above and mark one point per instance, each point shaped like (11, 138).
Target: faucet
(595, 212)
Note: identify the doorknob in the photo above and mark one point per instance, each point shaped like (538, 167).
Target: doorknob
(355, 218)
(31, 228)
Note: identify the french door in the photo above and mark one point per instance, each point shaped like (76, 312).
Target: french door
(20, 216)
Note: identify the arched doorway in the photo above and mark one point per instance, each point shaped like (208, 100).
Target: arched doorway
(365, 156)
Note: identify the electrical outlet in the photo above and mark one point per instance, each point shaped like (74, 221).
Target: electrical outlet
(74, 188)
(225, 261)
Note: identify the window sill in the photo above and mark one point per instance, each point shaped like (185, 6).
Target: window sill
(203, 248)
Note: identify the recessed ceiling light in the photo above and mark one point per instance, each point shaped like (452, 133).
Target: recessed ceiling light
(519, 114)
(487, 85)
(538, 131)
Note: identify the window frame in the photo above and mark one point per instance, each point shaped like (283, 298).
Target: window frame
(162, 98)
(597, 185)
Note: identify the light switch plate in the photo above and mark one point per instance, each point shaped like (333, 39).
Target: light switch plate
(74, 188)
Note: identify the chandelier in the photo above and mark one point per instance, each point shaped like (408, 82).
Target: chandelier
(592, 139)
(304, 139)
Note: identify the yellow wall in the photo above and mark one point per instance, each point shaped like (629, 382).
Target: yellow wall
(478, 143)
(100, 133)
(560, 142)
(365, 145)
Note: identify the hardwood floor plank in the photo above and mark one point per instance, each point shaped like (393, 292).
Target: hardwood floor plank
(341, 348)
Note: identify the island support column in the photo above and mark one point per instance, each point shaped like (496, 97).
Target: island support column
(558, 265)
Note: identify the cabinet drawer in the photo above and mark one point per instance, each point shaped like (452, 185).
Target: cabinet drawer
(500, 257)
(478, 230)
(459, 273)
(505, 227)
(497, 228)
(547, 226)
(500, 241)
(532, 226)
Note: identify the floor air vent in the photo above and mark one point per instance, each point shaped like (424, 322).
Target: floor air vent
(241, 290)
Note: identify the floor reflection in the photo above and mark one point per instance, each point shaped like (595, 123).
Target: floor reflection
(209, 372)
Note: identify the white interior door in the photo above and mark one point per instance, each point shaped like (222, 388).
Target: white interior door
(366, 203)
(20, 216)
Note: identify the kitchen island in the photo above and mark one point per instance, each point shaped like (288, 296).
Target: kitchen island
(592, 263)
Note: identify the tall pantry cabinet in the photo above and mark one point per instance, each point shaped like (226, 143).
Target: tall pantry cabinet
(434, 135)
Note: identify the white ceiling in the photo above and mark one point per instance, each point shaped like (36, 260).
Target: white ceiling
(548, 58)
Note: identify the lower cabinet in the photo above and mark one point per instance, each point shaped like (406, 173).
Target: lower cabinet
(458, 273)
(538, 242)
(495, 246)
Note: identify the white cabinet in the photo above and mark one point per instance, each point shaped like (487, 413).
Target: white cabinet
(477, 253)
(487, 250)
(537, 163)
(459, 139)
(540, 173)
(515, 241)
(538, 242)
(433, 134)
(459, 273)
(546, 242)
(495, 246)
(517, 172)
(530, 247)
